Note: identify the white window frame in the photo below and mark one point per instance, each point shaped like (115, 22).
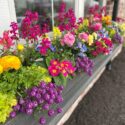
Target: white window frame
(12, 10)
(79, 8)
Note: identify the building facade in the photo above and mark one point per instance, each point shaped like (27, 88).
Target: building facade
(13, 10)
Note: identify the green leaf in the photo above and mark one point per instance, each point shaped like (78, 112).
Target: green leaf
(60, 80)
(48, 59)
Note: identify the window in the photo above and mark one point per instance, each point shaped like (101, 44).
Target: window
(43, 7)
(89, 3)
(47, 9)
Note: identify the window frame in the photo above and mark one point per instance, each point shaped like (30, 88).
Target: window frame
(79, 8)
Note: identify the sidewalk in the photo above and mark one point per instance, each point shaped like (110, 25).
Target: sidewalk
(105, 102)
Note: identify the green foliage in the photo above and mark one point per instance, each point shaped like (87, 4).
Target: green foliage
(29, 55)
(60, 80)
(7, 101)
(26, 77)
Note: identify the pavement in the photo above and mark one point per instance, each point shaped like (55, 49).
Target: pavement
(105, 102)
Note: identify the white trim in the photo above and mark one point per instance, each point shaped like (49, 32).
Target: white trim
(76, 8)
(79, 8)
(12, 10)
(52, 8)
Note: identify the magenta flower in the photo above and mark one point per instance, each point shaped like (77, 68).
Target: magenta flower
(14, 30)
(29, 28)
(44, 46)
(64, 67)
(66, 20)
(54, 62)
(96, 26)
(83, 36)
(68, 39)
(43, 50)
(53, 71)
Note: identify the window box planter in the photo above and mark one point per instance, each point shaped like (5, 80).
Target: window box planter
(73, 93)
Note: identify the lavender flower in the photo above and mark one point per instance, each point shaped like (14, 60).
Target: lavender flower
(118, 38)
(13, 114)
(42, 121)
(84, 64)
(44, 96)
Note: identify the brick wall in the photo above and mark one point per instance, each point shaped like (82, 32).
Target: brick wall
(109, 7)
(121, 8)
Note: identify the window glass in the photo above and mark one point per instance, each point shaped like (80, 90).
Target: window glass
(43, 7)
(69, 4)
(60, 7)
(89, 3)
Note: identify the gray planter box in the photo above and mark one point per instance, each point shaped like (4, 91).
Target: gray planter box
(75, 90)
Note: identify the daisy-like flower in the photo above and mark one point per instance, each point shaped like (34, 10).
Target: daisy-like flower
(53, 71)
(54, 62)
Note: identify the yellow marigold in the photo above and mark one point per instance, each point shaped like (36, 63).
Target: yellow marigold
(10, 62)
(1, 69)
(90, 40)
(20, 47)
(56, 32)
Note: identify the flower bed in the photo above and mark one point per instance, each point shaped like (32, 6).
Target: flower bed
(33, 75)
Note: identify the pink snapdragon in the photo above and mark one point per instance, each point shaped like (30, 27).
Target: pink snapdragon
(6, 41)
(29, 28)
(66, 20)
(68, 39)
(96, 26)
(44, 46)
(14, 30)
(83, 36)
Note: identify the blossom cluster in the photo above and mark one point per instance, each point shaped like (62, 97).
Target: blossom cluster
(51, 59)
(44, 46)
(104, 46)
(10, 62)
(68, 39)
(44, 96)
(14, 30)
(64, 67)
(29, 28)
(6, 42)
(67, 20)
(85, 64)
